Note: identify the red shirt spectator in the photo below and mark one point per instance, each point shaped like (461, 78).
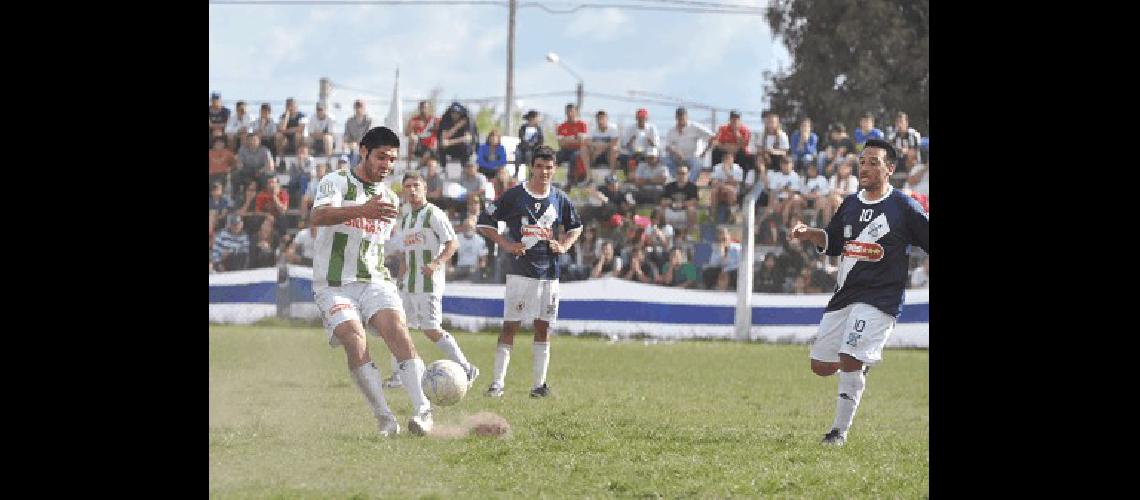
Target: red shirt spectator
(221, 158)
(724, 135)
(264, 198)
(418, 125)
(571, 129)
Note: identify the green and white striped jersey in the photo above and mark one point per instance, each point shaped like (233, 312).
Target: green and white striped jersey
(352, 251)
(423, 233)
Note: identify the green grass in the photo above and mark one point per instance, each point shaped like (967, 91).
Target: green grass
(686, 419)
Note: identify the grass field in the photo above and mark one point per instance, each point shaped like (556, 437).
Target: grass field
(686, 419)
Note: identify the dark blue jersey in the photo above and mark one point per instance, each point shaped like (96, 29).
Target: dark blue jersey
(532, 219)
(874, 240)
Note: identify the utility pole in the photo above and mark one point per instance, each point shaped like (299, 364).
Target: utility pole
(324, 93)
(580, 92)
(511, 70)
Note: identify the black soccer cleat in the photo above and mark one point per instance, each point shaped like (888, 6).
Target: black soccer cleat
(834, 438)
(541, 391)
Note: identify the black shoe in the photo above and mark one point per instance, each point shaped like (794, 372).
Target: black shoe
(866, 368)
(834, 438)
(540, 391)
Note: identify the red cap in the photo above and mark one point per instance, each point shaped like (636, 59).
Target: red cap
(616, 220)
(643, 113)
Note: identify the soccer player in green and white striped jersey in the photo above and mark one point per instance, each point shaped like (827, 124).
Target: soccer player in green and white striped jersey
(422, 232)
(350, 283)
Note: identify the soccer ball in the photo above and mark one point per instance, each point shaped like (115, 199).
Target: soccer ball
(445, 382)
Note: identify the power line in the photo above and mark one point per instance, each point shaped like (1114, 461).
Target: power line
(721, 9)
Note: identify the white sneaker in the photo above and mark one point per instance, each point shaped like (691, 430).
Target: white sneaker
(393, 382)
(420, 424)
(494, 392)
(388, 425)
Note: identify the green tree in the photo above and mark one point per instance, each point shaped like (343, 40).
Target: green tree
(852, 57)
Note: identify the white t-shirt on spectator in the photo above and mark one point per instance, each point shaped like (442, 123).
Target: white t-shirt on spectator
(647, 172)
(778, 141)
(816, 185)
(727, 262)
(319, 126)
(611, 133)
(238, 124)
(665, 231)
(304, 242)
(778, 181)
(689, 139)
(850, 186)
(470, 249)
(720, 175)
(642, 136)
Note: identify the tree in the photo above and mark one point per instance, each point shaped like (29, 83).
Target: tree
(850, 58)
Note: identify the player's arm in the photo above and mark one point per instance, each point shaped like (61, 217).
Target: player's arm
(571, 228)
(328, 212)
(829, 241)
(442, 227)
(487, 226)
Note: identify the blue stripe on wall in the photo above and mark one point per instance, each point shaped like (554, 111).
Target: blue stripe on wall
(301, 290)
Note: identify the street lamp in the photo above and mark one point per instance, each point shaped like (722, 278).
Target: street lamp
(552, 57)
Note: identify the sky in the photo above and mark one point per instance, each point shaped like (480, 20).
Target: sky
(266, 53)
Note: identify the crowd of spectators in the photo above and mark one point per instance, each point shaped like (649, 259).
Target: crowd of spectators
(654, 211)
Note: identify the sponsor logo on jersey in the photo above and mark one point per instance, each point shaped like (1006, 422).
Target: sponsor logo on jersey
(542, 233)
(413, 238)
(369, 226)
(867, 251)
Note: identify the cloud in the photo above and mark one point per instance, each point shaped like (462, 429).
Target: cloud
(599, 25)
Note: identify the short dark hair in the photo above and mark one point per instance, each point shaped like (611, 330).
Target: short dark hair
(379, 136)
(571, 106)
(265, 106)
(544, 152)
(411, 174)
(601, 112)
(531, 113)
(867, 115)
(242, 103)
(884, 145)
(838, 127)
(682, 111)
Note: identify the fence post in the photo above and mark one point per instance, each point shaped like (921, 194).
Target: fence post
(744, 271)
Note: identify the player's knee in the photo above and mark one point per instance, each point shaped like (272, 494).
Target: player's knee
(824, 369)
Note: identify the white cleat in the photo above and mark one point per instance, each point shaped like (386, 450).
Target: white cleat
(388, 425)
(494, 392)
(472, 374)
(393, 382)
(420, 424)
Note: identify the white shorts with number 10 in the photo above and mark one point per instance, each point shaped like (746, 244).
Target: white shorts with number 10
(858, 330)
(530, 298)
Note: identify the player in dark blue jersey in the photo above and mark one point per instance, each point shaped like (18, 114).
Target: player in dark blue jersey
(873, 231)
(532, 211)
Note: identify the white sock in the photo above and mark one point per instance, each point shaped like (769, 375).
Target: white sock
(502, 359)
(367, 378)
(851, 386)
(541, 360)
(395, 365)
(411, 373)
(451, 349)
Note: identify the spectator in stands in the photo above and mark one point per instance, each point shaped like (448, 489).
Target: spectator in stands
(222, 161)
(906, 141)
(652, 173)
(796, 256)
(273, 200)
(290, 128)
(254, 164)
(423, 128)
(503, 181)
(679, 200)
(602, 143)
(607, 264)
(920, 277)
(472, 180)
(799, 286)
(265, 128)
(300, 251)
(770, 233)
(842, 184)
(491, 155)
(301, 171)
(355, 127)
(804, 145)
(815, 191)
(678, 272)
(682, 142)
(638, 142)
(838, 147)
(263, 252)
(725, 182)
(770, 277)
(473, 254)
(658, 239)
(732, 138)
(311, 189)
(639, 269)
(587, 247)
(772, 145)
(472, 205)
(618, 199)
(433, 183)
(219, 116)
(720, 272)
(530, 137)
(231, 246)
(918, 182)
(785, 186)
(571, 137)
(237, 126)
(866, 131)
(219, 202)
(321, 130)
(457, 135)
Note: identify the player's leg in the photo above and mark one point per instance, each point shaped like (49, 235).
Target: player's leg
(865, 333)
(411, 322)
(384, 308)
(514, 307)
(342, 321)
(547, 313)
(430, 308)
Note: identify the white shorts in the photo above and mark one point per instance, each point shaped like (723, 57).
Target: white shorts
(343, 303)
(530, 298)
(424, 310)
(858, 330)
